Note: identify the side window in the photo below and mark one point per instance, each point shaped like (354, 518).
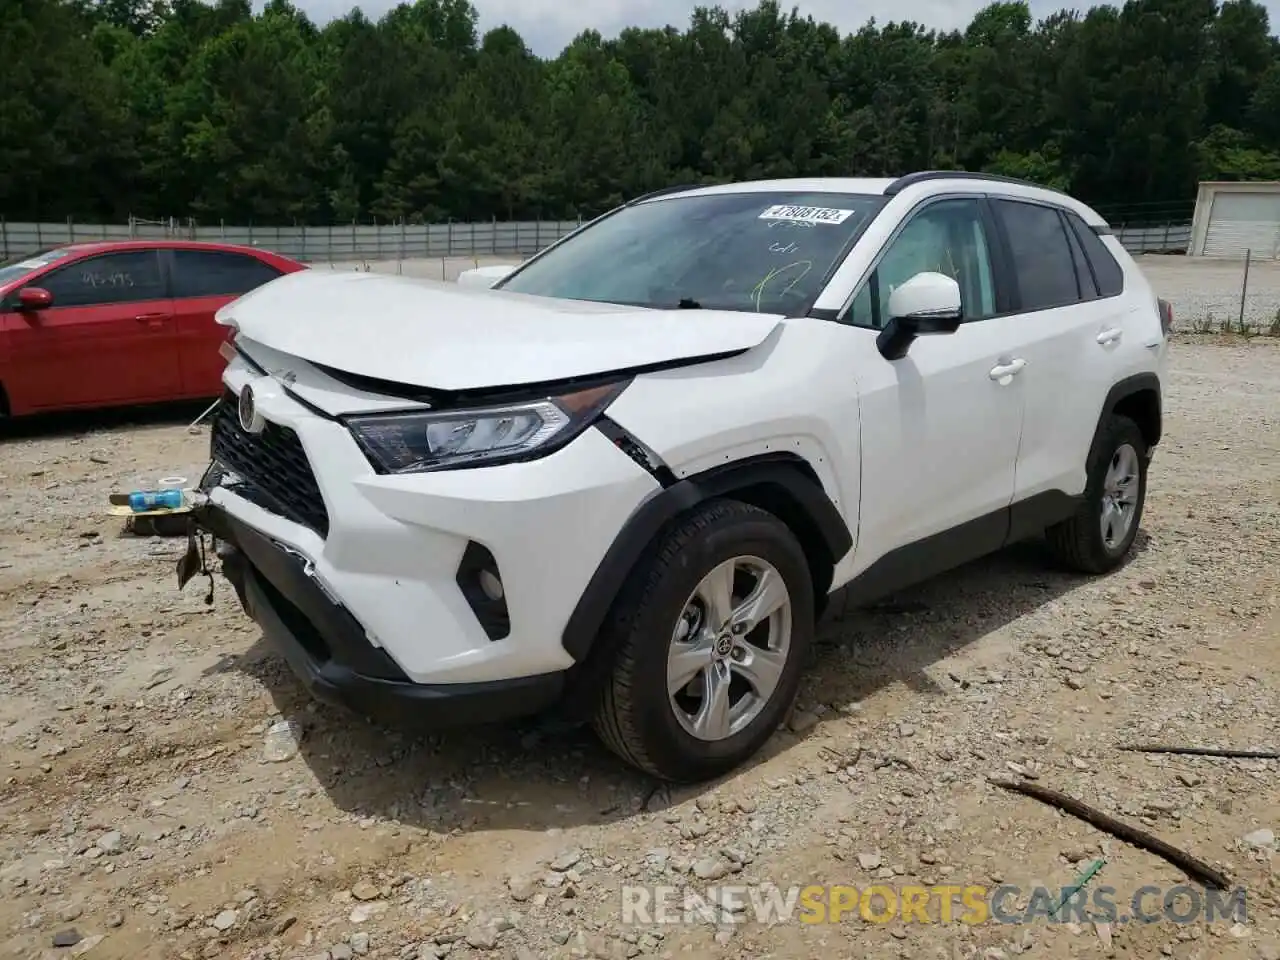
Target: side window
(1106, 271)
(945, 237)
(1042, 259)
(113, 278)
(200, 273)
(1084, 276)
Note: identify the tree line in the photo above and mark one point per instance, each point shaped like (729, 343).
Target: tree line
(184, 108)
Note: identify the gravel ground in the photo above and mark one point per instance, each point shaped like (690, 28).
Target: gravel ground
(1205, 293)
(148, 810)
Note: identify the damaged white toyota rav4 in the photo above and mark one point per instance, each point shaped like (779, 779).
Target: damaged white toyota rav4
(626, 479)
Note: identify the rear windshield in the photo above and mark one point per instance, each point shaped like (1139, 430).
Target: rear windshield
(17, 267)
(760, 252)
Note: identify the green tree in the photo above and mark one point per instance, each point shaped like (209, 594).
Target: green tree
(64, 149)
(208, 109)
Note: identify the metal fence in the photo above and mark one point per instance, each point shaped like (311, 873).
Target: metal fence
(337, 244)
(1163, 238)
(347, 242)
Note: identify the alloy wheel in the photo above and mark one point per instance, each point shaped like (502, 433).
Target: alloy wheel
(1119, 496)
(729, 648)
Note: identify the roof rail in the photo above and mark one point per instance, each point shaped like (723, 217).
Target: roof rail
(654, 194)
(922, 176)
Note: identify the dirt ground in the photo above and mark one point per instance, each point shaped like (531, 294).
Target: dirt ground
(140, 816)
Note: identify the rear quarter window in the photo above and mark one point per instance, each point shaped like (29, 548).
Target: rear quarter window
(1084, 274)
(1107, 273)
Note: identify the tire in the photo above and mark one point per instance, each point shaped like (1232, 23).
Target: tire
(635, 715)
(1079, 543)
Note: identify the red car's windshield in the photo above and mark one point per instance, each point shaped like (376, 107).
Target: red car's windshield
(18, 267)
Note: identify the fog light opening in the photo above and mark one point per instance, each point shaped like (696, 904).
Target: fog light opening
(491, 584)
(481, 584)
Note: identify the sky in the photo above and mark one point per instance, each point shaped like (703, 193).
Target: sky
(547, 25)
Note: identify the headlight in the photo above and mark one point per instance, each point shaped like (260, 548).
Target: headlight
(419, 442)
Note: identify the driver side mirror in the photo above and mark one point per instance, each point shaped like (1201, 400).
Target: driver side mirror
(926, 305)
(31, 299)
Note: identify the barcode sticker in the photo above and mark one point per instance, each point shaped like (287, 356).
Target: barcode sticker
(806, 214)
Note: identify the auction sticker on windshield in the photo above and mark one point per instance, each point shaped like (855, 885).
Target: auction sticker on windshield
(806, 214)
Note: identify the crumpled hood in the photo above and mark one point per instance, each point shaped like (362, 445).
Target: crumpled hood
(440, 335)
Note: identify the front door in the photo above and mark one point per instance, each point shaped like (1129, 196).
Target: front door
(941, 426)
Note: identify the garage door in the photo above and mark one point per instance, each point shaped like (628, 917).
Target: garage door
(1244, 221)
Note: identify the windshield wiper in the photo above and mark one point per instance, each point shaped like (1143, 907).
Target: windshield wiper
(688, 303)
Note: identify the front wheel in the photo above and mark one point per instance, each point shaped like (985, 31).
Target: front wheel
(709, 640)
(1098, 536)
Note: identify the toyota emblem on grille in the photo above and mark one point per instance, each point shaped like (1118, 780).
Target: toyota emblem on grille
(249, 422)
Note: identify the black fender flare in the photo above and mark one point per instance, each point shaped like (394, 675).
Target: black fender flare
(808, 507)
(1128, 387)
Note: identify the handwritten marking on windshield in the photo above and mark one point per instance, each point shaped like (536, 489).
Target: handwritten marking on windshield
(790, 247)
(757, 292)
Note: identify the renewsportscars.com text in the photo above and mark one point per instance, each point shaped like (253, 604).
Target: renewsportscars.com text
(968, 904)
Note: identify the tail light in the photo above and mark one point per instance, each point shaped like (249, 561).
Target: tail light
(1166, 316)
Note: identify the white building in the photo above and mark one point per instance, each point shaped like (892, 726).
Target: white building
(1234, 217)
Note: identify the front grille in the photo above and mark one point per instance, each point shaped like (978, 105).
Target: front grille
(271, 468)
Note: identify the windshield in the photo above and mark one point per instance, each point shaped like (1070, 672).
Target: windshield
(18, 267)
(760, 252)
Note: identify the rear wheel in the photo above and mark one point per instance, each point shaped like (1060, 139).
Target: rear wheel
(709, 641)
(1099, 535)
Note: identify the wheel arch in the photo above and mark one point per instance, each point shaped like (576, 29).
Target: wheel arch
(5, 409)
(1139, 398)
(783, 484)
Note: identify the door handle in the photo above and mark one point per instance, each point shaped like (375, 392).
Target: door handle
(1003, 371)
(1110, 336)
(152, 319)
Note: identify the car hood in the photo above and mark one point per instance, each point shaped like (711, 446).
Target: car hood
(441, 336)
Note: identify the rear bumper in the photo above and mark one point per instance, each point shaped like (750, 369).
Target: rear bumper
(329, 652)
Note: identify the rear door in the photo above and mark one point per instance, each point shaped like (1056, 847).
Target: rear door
(1070, 327)
(203, 282)
(107, 339)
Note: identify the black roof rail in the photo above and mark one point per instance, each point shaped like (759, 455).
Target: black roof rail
(654, 194)
(922, 176)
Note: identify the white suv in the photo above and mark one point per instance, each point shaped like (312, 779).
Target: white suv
(627, 478)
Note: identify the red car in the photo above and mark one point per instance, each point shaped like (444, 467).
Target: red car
(118, 323)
